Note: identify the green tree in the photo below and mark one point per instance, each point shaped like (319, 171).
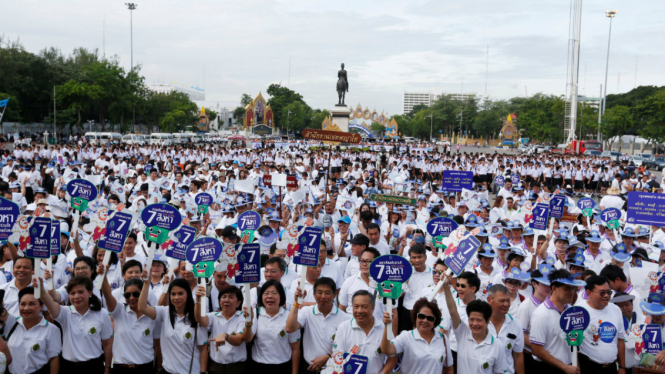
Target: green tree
(300, 118)
(649, 116)
(239, 112)
(281, 97)
(78, 96)
(615, 122)
(318, 116)
(12, 113)
(540, 118)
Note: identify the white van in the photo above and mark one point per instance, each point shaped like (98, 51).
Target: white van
(180, 138)
(92, 138)
(160, 138)
(133, 139)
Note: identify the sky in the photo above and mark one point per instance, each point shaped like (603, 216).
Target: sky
(389, 47)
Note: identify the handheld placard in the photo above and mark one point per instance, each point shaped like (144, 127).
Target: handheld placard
(113, 238)
(458, 236)
(204, 250)
(586, 204)
(9, 212)
(159, 219)
(176, 250)
(573, 322)
(55, 250)
(309, 245)
(81, 193)
(203, 201)
(40, 245)
(249, 267)
(390, 272)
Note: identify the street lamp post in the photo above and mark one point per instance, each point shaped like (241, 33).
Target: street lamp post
(609, 14)
(132, 7)
(287, 122)
(431, 119)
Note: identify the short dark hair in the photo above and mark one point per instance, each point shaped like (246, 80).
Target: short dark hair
(417, 249)
(423, 303)
(278, 286)
(481, 307)
(373, 251)
(557, 274)
(233, 290)
(612, 272)
(133, 236)
(595, 280)
(131, 264)
(280, 262)
(372, 226)
(372, 300)
(471, 278)
(325, 282)
(28, 291)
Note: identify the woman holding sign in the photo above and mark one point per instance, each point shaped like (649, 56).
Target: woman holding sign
(183, 339)
(425, 350)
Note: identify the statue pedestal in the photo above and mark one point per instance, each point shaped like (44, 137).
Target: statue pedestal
(340, 117)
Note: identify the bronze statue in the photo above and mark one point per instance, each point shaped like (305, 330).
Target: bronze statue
(342, 85)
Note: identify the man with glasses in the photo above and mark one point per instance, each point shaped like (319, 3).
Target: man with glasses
(358, 244)
(550, 351)
(603, 343)
(363, 281)
(507, 329)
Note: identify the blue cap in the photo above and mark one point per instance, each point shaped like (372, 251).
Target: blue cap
(483, 230)
(620, 253)
(653, 305)
(487, 251)
(504, 243)
(659, 245)
(545, 270)
(344, 219)
(274, 216)
(628, 231)
(528, 231)
(643, 231)
(517, 274)
(594, 237)
(471, 221)
(419, 239)
(570, 281)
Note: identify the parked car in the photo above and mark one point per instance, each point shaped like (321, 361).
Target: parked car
(660, 163)
(613, 155)
(646, 159)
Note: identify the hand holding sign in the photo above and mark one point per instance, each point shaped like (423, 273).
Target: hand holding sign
(204, 251)
(81, 192)
(573, 322)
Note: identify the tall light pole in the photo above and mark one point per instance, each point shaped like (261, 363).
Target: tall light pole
(287, 123)
(431, 119)
(609, 14)
(132, 7)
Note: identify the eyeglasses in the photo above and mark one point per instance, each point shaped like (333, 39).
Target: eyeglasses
(604, 293)
(461, 285)
(365, 262)
(271, 293)
(423, 316)
(136, 294)
(438, 272)
(82, 268)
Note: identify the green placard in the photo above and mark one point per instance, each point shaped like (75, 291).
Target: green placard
(392, 199)
(613, 224)
(204, 269)
(587, 212)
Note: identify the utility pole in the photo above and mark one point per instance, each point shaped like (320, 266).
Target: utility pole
(54, 116)
(431, 119)
(609, 14)
(287, 123)
(600, 112)
(132, 7)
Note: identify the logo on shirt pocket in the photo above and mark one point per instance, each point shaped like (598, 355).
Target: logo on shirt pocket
(188, 336)
(485, 365)
(509, 346)
(379, 352)
(92, 331)
(282, 334)
(146, 333)
(35, 348)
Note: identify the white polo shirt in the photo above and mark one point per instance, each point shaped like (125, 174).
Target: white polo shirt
(118, 295)
(598, 262)
(352, 267)
(333, 270)
(349, 334)
(440, 299)
(254, 297)
(485, 281)
(382, 247)
(600, 338)
(417, 282)
(545, 331)
(11, 297)
(461, 310)
(525, 313)
(83, 334)
(357, 283)
(227, 353)
(319, 330)
(32, 349)
(510, 326)
(422, 357)
(133, 339)
(488, 357)
(272, 344)
(306, 288)
(177, 342)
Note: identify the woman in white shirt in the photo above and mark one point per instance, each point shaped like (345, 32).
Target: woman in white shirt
(275, 351)
(183, 340)
(135, 333)
(34, 343)
(86, 329)
(227, 326)
(425, 350)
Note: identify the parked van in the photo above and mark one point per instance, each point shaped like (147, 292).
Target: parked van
(159, 138)
(180, 138)
(92, 138)
(133, 139)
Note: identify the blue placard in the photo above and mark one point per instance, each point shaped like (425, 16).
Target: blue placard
(515, 179)
(586, 203)
(500, 181)
(249, 220)
(610, 214)
(117, 229)
(40, 238)
(646, 208)
(161, 215)
(540, 213)
(557, 203)
(356, 365)
(55, 237)
(9, 211)
(249, 263)
(653, 339)
(82, 188)
(147, 168)
(203, 199)
(185, 236)
(309, 244)
(574, 318)
(454, 180)
(392, 268)
(465, 251)
(441, 226)
(204, 249)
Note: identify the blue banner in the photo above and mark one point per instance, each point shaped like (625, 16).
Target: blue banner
(455, 181)
(204, 250)
(185, 236)
(55, 237)
(653, 339)
(646, 208)
(309, 245)
(40, 238)
(249, 263)
(441, 226)
(4, 103)
(9, 212)
(392, 268)
(116, 231)
(540, 213)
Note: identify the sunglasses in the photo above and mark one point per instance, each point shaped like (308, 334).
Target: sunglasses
(604, 293)
(423, 316)
(438, 272)
(136, 294)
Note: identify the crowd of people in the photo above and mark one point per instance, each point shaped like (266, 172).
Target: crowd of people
(500, 315)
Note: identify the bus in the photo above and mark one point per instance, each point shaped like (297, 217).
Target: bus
(579, 146)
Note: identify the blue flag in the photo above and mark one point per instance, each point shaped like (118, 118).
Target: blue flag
(4, 102)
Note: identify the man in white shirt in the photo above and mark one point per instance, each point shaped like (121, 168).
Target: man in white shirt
(507, 329)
